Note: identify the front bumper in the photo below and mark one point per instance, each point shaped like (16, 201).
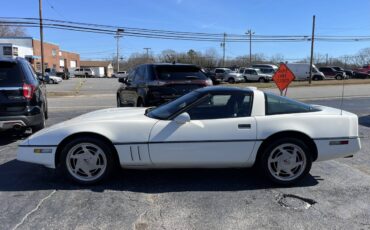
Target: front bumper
(27, 153)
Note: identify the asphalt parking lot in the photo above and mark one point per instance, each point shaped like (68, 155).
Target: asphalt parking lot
(336, 194)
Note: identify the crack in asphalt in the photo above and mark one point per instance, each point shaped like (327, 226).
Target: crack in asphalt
(34, 210)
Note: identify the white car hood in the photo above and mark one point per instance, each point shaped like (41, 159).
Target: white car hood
(100, 115)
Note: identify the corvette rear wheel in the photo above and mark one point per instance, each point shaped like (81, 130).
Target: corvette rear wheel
(87, 160)
(286, 161)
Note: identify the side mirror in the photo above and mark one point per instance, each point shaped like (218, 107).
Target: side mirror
(123, 80)
(182, 118)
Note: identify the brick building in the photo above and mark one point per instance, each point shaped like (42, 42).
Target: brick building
(30, 49)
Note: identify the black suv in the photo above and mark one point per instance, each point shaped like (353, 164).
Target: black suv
(154, 84)
(23, 101)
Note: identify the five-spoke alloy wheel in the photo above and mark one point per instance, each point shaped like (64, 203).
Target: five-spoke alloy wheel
(286, 161)
(87, 160)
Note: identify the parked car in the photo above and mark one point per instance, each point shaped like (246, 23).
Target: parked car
(211, 75)
(212, 127)
(220, 73)
(120, 74)
(350, 73)
(23, 102)
(227, 75)
(301, 72)
(363, 72)
(251, 74)
(84, 72)
(266, 68)
(154, 84)
(331, 73)
(54, 79)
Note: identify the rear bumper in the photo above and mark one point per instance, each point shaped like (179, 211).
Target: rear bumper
(330, 148)
(8, 122)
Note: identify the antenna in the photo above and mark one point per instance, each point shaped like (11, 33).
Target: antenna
(341, 102)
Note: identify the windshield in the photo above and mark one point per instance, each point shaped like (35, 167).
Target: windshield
(175, 72)
(258, 71)
(165, 111)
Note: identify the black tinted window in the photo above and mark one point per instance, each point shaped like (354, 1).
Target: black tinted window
(10, 74)
(283, 105)
(220, 106)
(140, 74)
(174, 72)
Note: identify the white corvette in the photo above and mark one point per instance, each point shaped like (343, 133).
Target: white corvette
(212, 127)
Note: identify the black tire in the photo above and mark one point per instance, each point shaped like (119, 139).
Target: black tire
(119, 103)
(315, 78)
(339, 77)
(52, 81)
(107, 150)
(231, 80)
(261, 79)
(270, 149)
(40, 126)
(86, 75)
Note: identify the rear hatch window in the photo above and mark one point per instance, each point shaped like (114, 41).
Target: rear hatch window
(179, 73)
(10, 74)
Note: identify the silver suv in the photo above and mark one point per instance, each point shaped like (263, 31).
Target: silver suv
(84, 72)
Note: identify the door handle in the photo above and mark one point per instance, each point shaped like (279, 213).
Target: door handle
(244, 126)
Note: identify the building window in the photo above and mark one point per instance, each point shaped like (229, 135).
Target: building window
(38, 66)
(15, 51)
(54, 52)
(60, 53)
(7, 50)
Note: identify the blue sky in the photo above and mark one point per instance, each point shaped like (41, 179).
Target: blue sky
(265, 17)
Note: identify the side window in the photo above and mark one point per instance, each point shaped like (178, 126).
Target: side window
(140, 74)
(131, 76)
(219, 71)
(219, 106)
(254, 72)
(29, 76)
(282, 105)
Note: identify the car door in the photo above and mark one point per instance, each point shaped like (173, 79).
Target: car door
(221, 133)
(128, 92)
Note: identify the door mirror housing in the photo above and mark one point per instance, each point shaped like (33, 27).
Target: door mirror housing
(182, 118)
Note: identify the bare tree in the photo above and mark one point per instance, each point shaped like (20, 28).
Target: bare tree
(12, 31)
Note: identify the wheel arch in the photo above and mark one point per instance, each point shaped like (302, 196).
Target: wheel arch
(84, 134)
(292, 134)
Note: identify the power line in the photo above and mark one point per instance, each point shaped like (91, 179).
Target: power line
(173, 35)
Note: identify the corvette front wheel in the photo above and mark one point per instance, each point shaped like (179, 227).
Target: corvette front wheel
(286, 161)
(87, 160)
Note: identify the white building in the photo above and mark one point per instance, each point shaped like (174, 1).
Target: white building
(16, 47)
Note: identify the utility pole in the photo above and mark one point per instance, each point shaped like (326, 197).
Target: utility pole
(147, 53)
(41, 39)
(223, 45)
(312, 43)
(118, 36)
(250, 33)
